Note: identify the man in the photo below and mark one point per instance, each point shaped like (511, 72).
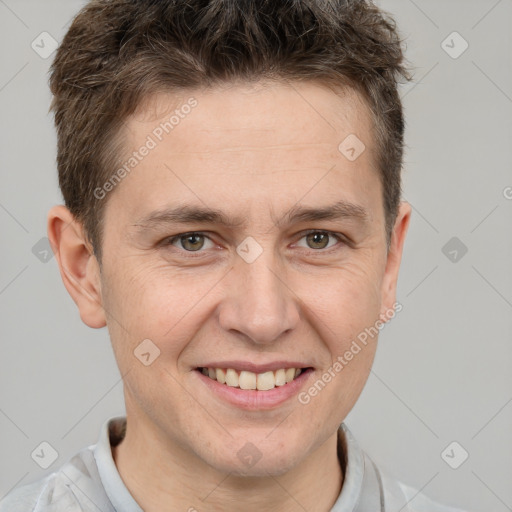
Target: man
(231, 176)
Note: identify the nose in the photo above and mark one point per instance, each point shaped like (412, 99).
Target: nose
(259, 303)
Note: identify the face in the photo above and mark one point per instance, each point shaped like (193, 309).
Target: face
(286, 270)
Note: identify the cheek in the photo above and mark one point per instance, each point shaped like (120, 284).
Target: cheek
(346, 300)
(153, 303)
(344, 317)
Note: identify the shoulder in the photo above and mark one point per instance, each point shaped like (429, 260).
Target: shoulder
(27, 497)
(370, 487)
(400, 496)
(70, 488)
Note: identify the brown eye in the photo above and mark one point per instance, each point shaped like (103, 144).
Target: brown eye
(190, 242)
(318, 240)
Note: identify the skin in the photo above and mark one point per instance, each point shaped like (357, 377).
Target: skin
(253, 151)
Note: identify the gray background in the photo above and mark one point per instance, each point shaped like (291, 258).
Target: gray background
(442, 371)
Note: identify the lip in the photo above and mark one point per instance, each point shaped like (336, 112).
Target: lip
(253, 367)
(254, 400)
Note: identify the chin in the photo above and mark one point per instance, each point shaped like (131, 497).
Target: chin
(247, 460)
(265, 467)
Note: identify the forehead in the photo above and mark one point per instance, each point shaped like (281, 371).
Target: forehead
(262, 142)
(298, 113)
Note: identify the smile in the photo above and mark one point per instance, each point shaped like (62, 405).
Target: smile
(254, 388)
(252, 381)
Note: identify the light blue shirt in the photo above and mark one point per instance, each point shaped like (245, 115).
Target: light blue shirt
(90, 482)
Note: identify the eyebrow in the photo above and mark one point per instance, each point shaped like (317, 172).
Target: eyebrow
(339, 210)
(189, 214)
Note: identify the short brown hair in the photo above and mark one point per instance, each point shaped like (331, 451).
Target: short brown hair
(118, 53)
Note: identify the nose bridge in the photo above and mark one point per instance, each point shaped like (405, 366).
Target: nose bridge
(259, 304)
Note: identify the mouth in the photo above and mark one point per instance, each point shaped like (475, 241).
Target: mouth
(254, 387)
(248, 380)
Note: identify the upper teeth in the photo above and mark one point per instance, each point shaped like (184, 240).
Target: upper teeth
(249, 380)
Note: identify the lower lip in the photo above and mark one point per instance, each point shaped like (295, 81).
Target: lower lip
(251, 399)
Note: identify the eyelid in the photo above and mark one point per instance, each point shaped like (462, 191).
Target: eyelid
(170, 240)
(338, 236)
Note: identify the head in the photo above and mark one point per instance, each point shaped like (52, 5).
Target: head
(274, 131)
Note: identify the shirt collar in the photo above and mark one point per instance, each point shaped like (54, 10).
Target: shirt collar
(351, 458)
(113, 430)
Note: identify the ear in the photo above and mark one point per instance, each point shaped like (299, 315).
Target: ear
(78, 266)
(394, 258)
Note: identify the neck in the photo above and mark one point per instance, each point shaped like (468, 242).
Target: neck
(167, 478)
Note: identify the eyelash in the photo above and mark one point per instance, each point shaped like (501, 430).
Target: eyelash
(193, 254)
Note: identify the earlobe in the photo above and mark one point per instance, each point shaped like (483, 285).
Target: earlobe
(394, 259)
(78, 266)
